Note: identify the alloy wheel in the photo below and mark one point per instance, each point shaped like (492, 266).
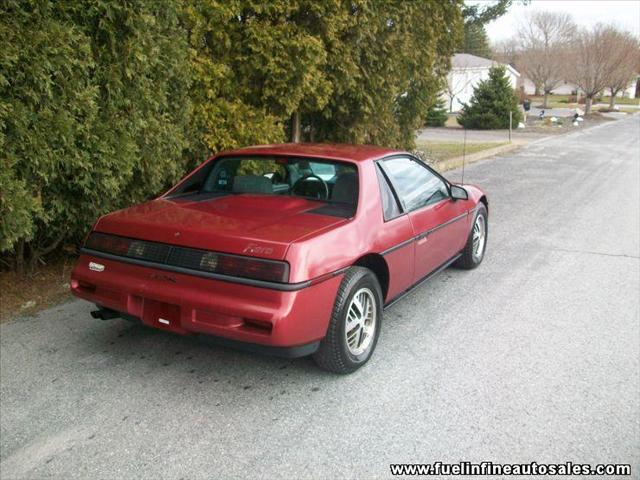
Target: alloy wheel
(360, 325)
(479, 237)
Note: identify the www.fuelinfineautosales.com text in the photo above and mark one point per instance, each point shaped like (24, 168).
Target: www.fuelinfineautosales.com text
(490, 468)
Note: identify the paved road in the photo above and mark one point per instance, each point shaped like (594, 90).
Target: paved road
(532, 357)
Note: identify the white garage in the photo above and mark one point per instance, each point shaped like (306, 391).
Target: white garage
(466, 72)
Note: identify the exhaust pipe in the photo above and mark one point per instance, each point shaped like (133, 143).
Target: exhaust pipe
(105, 314)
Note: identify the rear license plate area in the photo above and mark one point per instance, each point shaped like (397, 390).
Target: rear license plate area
(161, 315)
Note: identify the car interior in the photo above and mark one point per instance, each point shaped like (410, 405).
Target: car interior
(330, 182)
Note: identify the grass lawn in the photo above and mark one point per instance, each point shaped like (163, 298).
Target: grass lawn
(554, 101)
(552, 98)
(445, 150)
(621, 101)
(562, 101)
(621, 110)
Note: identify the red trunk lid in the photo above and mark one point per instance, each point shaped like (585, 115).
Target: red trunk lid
(255, 225)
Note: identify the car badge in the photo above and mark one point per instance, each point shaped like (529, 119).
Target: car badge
(96, 267)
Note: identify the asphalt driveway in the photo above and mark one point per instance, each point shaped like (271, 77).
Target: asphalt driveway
(534, 356)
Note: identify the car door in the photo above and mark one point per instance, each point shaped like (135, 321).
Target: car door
(396, 235)
(439, 223)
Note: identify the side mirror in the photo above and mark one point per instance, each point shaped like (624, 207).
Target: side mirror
(459, 193)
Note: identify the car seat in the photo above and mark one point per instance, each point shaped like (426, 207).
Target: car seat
(252, 184)
(345, 189)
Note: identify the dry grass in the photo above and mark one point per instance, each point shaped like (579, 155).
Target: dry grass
(446, 150)
(25, 295)
(620, 110)
(562, 101)
(621, 101)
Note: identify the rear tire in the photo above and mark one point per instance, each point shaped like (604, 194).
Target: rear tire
(476, 245)
(355, 323)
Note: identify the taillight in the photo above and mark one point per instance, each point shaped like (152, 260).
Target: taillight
(108, 243)
(253, 268)
(191, 258)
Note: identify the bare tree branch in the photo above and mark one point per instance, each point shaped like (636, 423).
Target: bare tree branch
(596, 61)
(545, 38)
(624, 51)
(458, 79)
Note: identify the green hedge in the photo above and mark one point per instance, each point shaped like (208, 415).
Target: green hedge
(94, 113)
(107, 103)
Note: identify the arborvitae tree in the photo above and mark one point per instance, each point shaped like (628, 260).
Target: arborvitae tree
(93, 110)
(491, 103)
(105, 103)
(359, 72)
(255, 64)
(386, 66)
(437, 114)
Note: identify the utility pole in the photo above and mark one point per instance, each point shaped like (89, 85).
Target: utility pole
(510, 124)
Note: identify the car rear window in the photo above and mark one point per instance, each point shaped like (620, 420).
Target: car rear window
(326, 181)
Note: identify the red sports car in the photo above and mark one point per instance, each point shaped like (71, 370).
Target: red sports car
(290, 249)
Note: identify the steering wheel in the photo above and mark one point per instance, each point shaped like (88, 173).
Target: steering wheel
(306, 178)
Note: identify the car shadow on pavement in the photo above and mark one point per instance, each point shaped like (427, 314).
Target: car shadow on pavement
(152, 352)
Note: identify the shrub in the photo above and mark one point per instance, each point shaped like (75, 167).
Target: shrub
(437, 115)
(491, 103)
(93, 111)
(105, 103)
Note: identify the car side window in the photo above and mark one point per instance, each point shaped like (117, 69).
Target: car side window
(414, 183)
(390, 207)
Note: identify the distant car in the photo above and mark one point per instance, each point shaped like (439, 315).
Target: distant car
(289, 249)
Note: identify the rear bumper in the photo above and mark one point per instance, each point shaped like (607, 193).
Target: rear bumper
(267, 320)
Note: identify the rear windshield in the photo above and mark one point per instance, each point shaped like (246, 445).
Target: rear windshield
(322, 180)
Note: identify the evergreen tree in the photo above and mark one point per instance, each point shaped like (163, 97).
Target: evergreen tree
(105, 103)
(437, 114)
(359, 72)
(93, 111)
(476, 41)
(491, 103)
(255, 64)
(476, 15)
(386, 65)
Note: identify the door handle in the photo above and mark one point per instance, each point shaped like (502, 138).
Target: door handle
(422, 239)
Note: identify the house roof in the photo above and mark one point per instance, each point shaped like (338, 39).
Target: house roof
(466, 60)
(463, 61)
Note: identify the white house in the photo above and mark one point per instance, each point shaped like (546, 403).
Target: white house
(466, 72)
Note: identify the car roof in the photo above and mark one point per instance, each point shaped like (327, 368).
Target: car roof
(345, 152)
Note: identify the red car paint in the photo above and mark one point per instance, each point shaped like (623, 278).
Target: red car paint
(318, 249)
